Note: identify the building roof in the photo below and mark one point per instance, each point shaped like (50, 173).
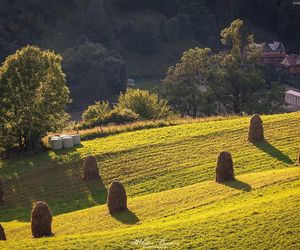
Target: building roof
(291, 60)
(275, 46)
(293, 92)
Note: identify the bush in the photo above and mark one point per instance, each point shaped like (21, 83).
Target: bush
(143, 103)
(120, 116)
(96, 114)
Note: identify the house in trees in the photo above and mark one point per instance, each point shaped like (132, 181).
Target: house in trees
(271, 53)
(292, 64)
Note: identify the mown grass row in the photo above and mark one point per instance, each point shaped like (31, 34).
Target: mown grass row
(257, 211)
(146, 161)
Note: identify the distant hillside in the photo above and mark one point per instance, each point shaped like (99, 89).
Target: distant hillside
(173, 199)
(99, 38)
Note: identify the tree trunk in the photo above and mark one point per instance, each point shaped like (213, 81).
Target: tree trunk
(33, 146)
(236, 103)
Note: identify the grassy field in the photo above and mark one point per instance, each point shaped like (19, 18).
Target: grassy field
(173, 201)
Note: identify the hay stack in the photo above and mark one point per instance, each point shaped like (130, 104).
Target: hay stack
(41, 219)
(2, 233)
(117, 199)
(90, 169)
(224, 169)
(1, 190)
(256, 129)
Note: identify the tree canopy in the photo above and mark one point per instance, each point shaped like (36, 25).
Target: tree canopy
(231, 82)
(33, 97)
(129, 28)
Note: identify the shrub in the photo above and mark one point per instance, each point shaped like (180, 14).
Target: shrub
(90, 169)
(121, 116)
(143, 103)
(95, 114)
(41, 219)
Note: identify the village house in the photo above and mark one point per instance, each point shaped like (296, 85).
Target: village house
(292, 64)
(271, 53)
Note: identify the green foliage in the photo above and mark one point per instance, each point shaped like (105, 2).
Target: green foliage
(121, 116)
(94, 73)
(143, 103)
(96, 114)
(183, 83)
(237, 81)
(163, 28)
(173, 29)
(132, 105)
(233, 80)
(33, 96)
(146, 38)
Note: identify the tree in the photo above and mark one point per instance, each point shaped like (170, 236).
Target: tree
(173, 29)
(33, 96)
(95, 22)
(185, 84)
(184, 26)
(200, 18)
(147, 38)
(237, 82)
(232, 79)
(163, 30)
(94, 73)
(146, 105)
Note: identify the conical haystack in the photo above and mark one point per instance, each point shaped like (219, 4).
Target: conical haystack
(117, 199)
(256, 129)
(2, 233)
(224, 169)
(90, 169)
(41, 219)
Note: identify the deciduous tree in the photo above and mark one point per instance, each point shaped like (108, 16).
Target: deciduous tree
(33, 96)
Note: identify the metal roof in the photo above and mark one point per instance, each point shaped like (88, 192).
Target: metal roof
(292, 92)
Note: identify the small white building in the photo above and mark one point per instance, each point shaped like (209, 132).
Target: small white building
(130, 83)
(292, 98)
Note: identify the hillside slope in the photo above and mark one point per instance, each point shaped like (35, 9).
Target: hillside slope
(168, 174)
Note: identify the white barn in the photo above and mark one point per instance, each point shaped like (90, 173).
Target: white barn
(292, 98)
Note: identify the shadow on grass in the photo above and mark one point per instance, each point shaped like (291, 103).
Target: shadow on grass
(61, 187)
(237, 184)
(97, 190)
(272, 151)
(127, 217)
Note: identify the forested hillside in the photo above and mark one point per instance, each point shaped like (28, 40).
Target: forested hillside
(104, 41)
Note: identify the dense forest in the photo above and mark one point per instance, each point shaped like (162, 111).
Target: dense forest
(95, 37)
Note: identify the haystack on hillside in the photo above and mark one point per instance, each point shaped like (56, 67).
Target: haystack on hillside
(1, 189)
(90, 169)
(2, 233)
(41, 219)
(117, 199)
(224, 169)
(256, 129)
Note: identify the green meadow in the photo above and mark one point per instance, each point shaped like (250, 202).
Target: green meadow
(173, 200)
